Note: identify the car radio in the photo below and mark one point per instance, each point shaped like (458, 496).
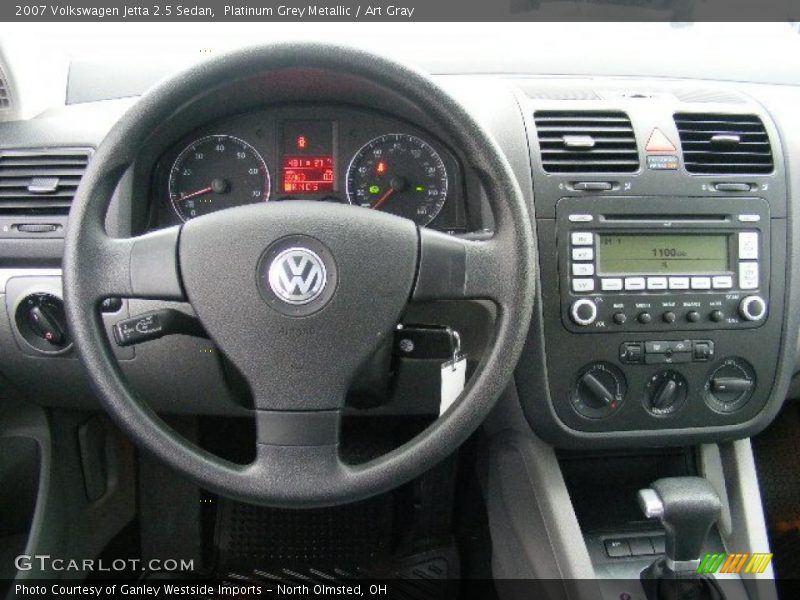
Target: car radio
(662, 263)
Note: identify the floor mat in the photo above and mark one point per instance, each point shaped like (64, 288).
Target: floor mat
(249, 537)
(431, 575)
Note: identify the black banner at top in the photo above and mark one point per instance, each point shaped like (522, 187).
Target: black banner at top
(398, 11)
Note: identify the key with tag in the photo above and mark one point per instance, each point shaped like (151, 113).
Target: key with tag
(454, 374)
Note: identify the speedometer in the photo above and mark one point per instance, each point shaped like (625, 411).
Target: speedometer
(217, 172)
(400, 174)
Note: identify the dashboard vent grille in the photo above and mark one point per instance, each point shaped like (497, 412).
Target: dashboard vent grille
(5, 93)
(724, 144)
(35, 181)
(586, 142)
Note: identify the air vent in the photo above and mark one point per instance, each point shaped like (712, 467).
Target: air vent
(586, 142)
(724, 144)
(40, 181)
(5, 93)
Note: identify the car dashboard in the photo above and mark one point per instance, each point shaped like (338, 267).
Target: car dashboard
(664, 215)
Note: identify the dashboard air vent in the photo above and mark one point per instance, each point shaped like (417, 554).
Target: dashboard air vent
(40, 181)
(586, 142)
(5, 93)
(724, 144)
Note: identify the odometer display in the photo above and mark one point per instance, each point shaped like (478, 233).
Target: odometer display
(400, 174)
(217, 172)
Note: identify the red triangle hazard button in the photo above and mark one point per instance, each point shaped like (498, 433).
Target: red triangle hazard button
(659, 142)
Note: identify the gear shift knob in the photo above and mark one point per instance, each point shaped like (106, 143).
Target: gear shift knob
(688, 507)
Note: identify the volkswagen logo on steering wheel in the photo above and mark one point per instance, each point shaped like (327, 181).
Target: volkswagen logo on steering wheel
(297, 276)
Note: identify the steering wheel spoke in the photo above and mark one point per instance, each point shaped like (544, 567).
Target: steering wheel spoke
(140, 267)
(297, 427)
(453, 268)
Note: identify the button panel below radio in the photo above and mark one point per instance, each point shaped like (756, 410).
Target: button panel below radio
(666, 352)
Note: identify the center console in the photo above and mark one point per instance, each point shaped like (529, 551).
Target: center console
(662, 283)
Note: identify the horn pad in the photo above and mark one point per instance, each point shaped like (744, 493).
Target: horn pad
(298, 294)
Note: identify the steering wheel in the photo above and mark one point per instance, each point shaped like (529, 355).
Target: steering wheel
(298, 294)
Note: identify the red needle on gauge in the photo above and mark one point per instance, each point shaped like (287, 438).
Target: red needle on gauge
(205, 190)
(383, 198)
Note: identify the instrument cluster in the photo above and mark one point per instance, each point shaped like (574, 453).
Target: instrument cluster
(322, 153)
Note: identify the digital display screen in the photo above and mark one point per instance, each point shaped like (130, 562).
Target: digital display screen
(682, 254)
(303, 174)
(307, 157)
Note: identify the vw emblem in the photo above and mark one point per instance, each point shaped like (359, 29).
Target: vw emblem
(297, 276)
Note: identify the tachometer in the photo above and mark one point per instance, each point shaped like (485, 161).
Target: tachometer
(217, 172)
(400, 174)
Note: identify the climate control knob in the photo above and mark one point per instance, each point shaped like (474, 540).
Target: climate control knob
(583, 312)
(599, 390)
(731, 385)
(753, 308)
(666, 393)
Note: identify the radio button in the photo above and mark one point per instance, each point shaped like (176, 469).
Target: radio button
(583, 312)
(753, 308)
(693, 316)
(583, 285)
(748, 275)
(669, 317)
(634, 283)
(656, 347)
(701, 283)
(656, 283)
(620, 318)
(748, 245)
(679, 283)
(613, 284)
(749, 218)
(582, 269)
(631, 352)
(722, 282)
(703, 350)
(717, 316)
(582, 238)
(644, 318)
(583, 254)
(681, 346)
(581, 218)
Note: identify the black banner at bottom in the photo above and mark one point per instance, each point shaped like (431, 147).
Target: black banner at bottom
(396, 589)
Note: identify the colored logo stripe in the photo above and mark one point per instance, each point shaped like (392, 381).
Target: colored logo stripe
(733, 563)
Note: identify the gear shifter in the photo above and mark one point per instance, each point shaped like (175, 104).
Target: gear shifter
(688, 508)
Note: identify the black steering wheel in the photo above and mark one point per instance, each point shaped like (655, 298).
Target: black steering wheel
(298, 294)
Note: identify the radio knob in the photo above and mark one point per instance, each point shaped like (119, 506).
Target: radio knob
(753, 308)
(583, 312)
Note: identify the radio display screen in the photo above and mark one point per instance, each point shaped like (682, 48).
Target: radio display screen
(681, 254)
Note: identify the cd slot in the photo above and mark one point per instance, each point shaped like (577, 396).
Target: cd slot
(661, 218)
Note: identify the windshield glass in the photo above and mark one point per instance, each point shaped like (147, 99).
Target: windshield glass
(747, 52)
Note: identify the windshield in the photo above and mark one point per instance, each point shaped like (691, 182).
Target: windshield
(747, 52)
